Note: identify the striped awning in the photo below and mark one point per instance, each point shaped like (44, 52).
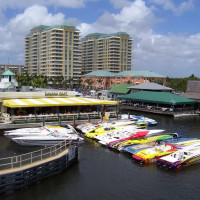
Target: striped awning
(44, 102)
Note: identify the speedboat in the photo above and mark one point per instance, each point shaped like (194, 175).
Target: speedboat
(40, 131)
(121, 145)
(133, 149)
(152, 154)
(105, 124)
(100, 131)
(47, 140)
(126, 131)
(187, 156)
(140, 119)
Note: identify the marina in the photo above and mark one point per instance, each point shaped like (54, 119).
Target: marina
(100, 169)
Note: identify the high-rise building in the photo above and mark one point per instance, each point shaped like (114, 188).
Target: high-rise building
(110, 52)
(53, 51)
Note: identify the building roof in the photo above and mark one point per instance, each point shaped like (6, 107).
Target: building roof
(120, 88)
(45, 28)
(140, 73)
(8, 73)
(103, 35)
(193, 86)
(125, 73)
(158, 97)
(100, 73)
(44, 102)
(150, 86)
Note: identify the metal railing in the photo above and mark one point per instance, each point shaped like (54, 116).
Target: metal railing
(56, 117)
(33, 157)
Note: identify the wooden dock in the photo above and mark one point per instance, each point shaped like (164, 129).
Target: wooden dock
(20, 171)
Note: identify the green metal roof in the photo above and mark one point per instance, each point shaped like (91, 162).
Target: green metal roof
(140, 73)
(120, 88)
(100, 73)
(157, 97)
(103, 35)
(8, 73)
(45, 28)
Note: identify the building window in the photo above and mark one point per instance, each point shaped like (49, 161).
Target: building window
(137, 78)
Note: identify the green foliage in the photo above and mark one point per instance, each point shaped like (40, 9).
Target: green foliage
(45, 81)
(180, 84)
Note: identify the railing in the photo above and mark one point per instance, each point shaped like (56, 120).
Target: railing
(33, 157)
(61, 117)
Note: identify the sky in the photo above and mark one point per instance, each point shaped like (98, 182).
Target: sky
(165, 33)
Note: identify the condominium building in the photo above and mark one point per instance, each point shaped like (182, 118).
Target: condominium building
(17, 69)
(109, 52)
(53, 51)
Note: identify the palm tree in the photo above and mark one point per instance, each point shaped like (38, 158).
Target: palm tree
(99, 82)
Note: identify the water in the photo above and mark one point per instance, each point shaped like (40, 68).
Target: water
(102, 174)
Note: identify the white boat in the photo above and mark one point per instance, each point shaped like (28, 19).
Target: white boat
(184, 157)
(139, 119)
(47, 140)
(40, 131)
(113, 123)
(125, 132)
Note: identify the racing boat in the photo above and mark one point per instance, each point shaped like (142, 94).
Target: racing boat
(187, 156)
(125, 132)
(47, 140)
(121, 145)
(133, 149)
(140, 119)
(100, 131)
(40, 131)
(151, 154)
(105, 124)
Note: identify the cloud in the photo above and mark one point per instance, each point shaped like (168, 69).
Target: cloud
(134, 19)
(176, 9)
(120, 3)
(13, 33)
(170, 55)
(4, 4)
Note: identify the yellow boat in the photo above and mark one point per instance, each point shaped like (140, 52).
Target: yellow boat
(100, 131)
(151, 154)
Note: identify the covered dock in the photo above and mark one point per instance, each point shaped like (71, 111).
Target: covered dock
(158, 102)
(54, 108)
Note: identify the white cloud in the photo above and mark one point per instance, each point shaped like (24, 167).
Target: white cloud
(170, 5)
(170, 55)
(27, 3)
(13, 34)
(120, 3)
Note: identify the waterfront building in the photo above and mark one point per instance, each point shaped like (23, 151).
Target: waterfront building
(8, 81)
(165, 103)
(17, 69)
(105, 80)
(150, 87)
(53, 51)
(119, 90)
(109, 52)
(54, 105)
(193, 90)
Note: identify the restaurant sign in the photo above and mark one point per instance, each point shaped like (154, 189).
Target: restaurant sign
(55, 94)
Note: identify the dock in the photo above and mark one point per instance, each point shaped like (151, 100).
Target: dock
(20, 171)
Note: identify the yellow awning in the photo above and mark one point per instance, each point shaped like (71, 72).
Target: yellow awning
(44, 102)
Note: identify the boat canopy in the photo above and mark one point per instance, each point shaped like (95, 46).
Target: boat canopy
(45, 102)
(157, 97)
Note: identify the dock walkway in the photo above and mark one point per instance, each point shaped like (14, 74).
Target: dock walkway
(20, 171)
